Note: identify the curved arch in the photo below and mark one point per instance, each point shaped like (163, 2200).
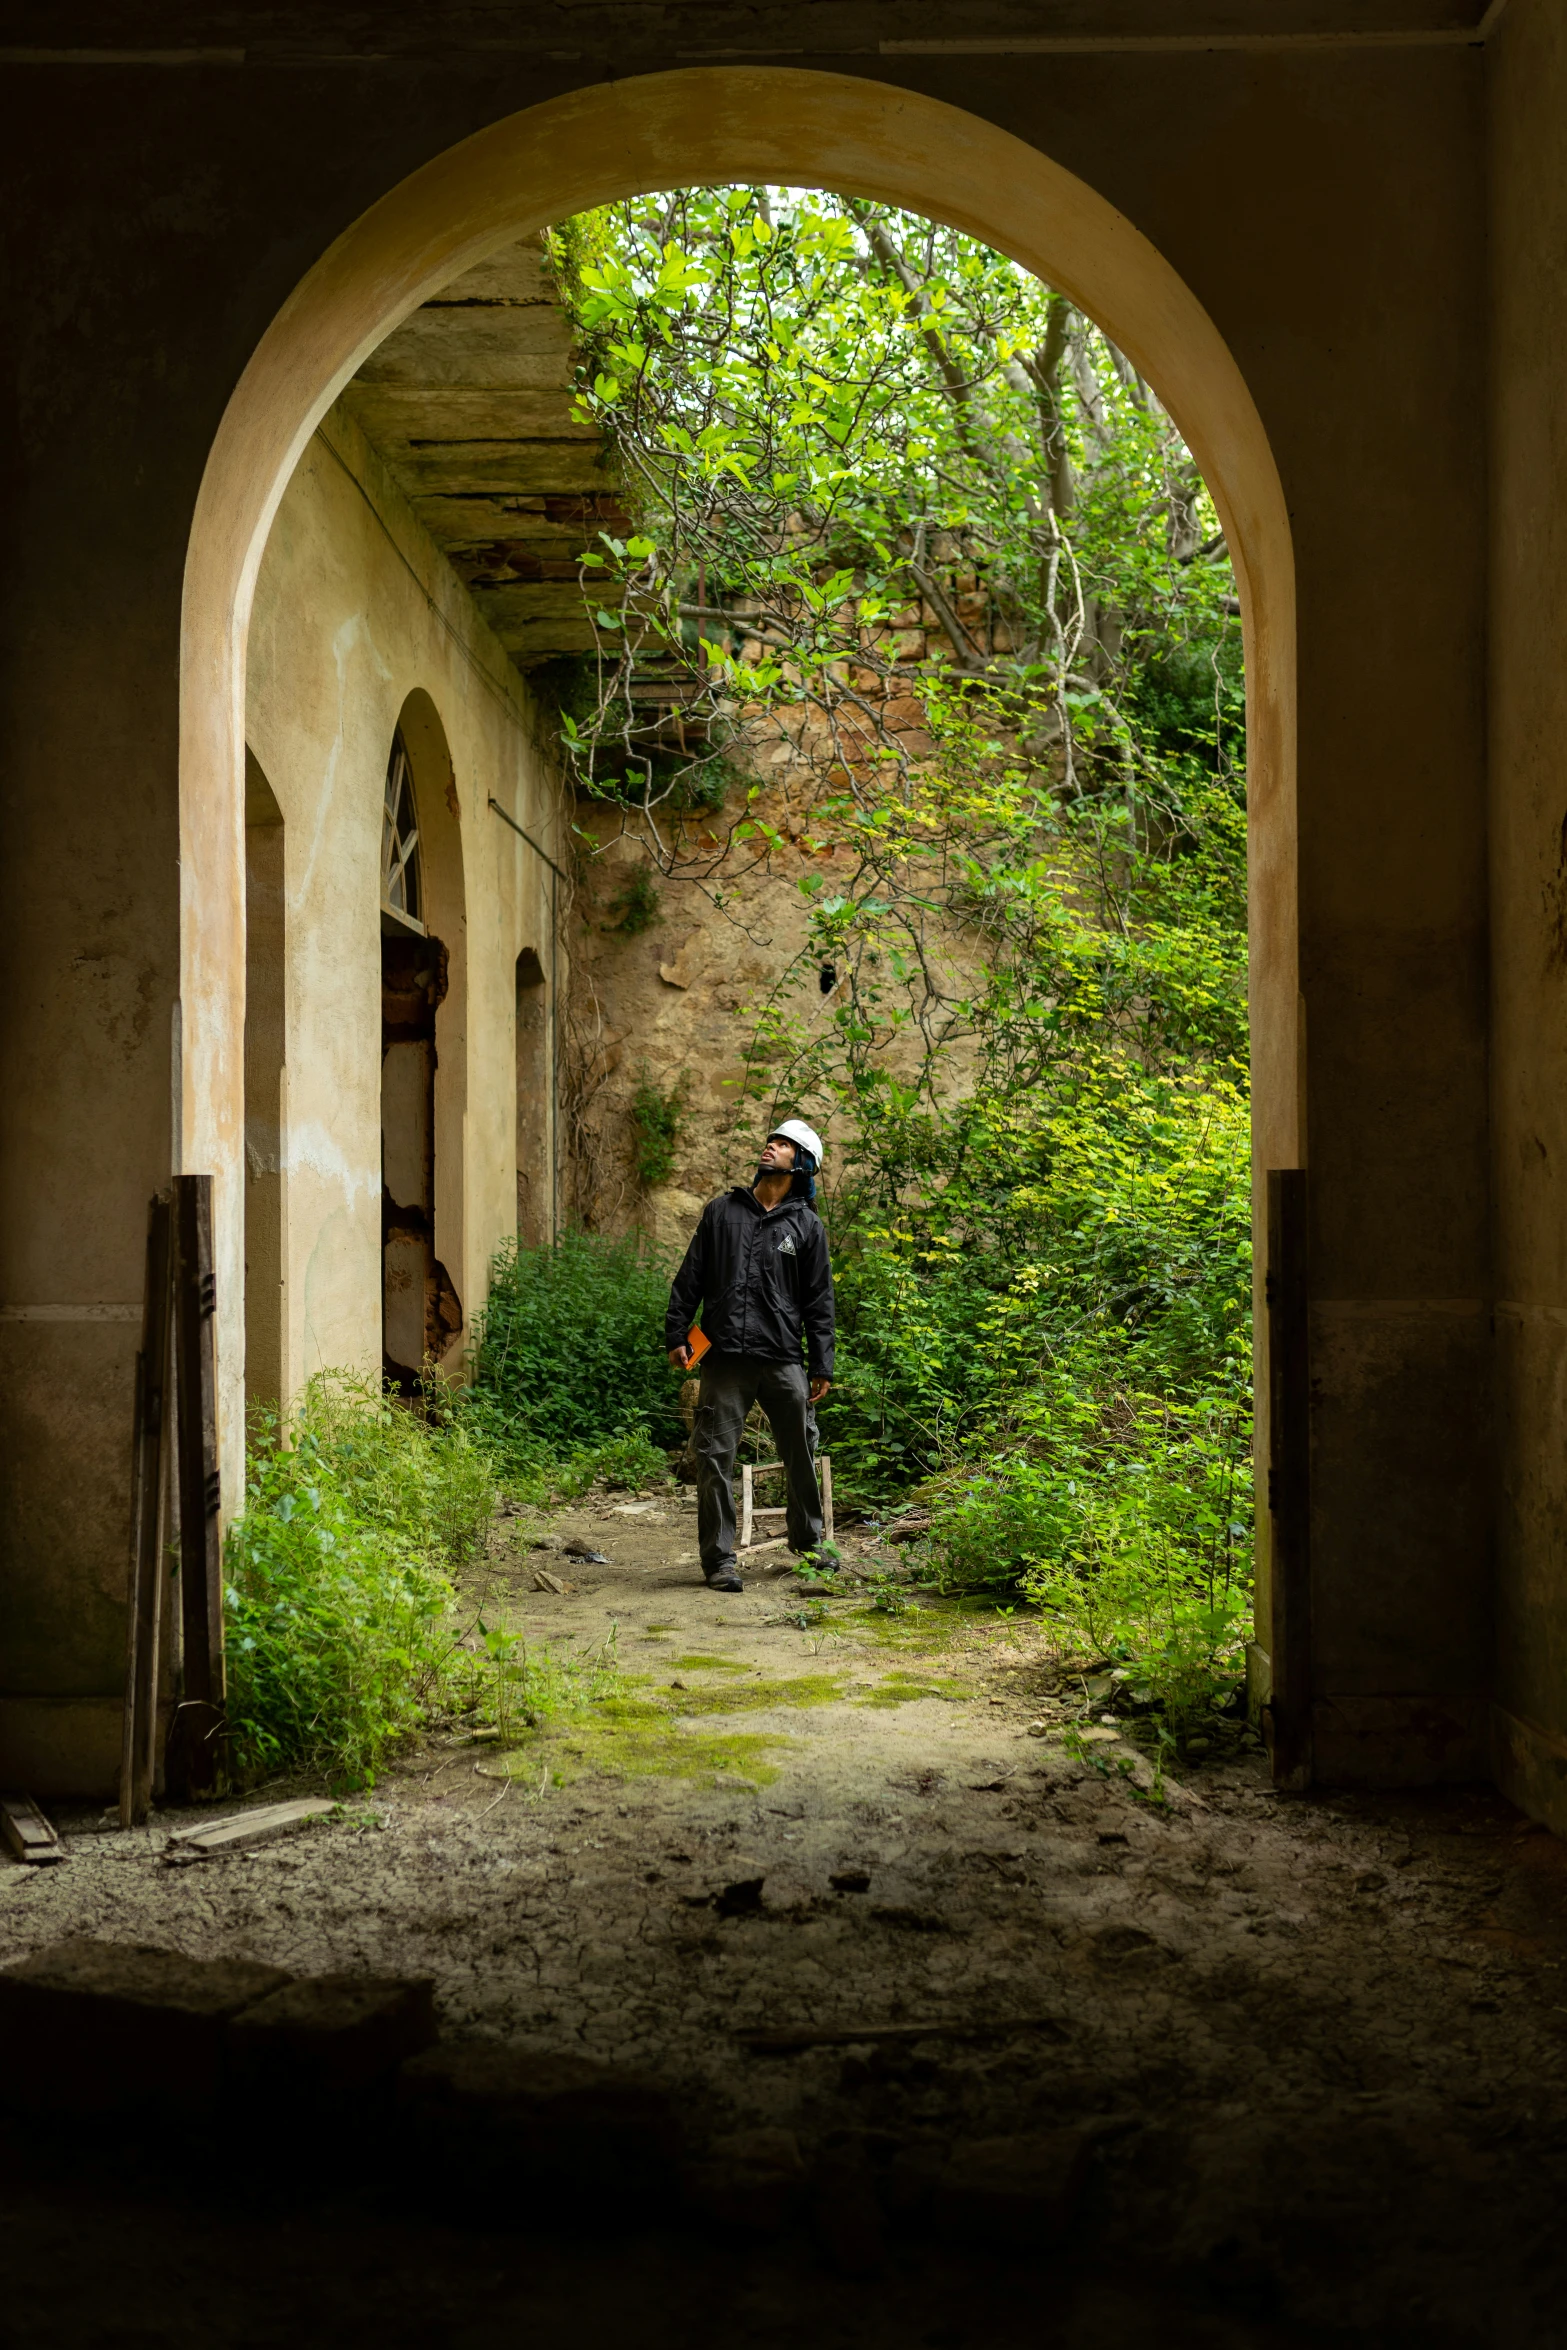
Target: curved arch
(702, 124)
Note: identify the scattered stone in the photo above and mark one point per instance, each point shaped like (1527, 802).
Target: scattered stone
(909, 1920)
(576, 1548)
(847, 2213)
(327, 2037)
(1018, 2192)
(1128, 1946)
(752, 2179)
(536, 2125)
(93, 2027)
(543, 1580)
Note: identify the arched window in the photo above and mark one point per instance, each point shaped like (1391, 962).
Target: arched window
(401, 893)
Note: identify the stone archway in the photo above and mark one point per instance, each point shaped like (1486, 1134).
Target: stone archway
(702, 124)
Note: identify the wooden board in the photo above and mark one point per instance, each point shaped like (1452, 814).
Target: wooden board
(26, 1832)
(145, 1596)
(250, 1827)
(520, 467)
(573, 522)
(529, 349)
(540, 640)
(400, 417)
(522, 601)
(193, 1745)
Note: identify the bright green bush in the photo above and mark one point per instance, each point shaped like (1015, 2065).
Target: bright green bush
(657, 1121)
(1129, 1525)
(340, 1636)
(569, 1350)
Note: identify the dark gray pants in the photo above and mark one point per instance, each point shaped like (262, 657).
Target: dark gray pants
(731, 1384)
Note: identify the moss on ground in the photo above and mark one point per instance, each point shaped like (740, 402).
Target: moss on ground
(710, 1664)
(644, 1749)
(753, 1697)
(640, 1733)
(903, 1688)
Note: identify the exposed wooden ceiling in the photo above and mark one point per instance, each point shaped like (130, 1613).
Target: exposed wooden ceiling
(469, 402)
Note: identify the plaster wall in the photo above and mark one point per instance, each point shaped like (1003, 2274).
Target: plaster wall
(1529, 898)
(1324, 207)
(360, 625)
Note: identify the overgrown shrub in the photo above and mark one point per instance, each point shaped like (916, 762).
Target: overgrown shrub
(657, 1119)
(569, 1351)
(340, 1637)
(1128, 1519)
(636, 905)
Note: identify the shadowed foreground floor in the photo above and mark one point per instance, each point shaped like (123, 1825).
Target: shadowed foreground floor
(1312, 2047)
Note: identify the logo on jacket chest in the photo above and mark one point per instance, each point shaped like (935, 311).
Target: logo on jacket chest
(786, 1246)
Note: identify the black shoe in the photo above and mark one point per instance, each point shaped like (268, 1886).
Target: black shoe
(724, 1579)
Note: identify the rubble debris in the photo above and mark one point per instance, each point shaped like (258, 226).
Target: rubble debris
(540, 2126)
(742, 1899)
(1018, 2192)
(327, 2037)
(847, 2212)
(28, 1833)
(753, 2180)
(238, 1829)
(94, 2027)
(576, 1548)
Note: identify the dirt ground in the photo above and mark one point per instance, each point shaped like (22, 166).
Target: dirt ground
(1318, 2043)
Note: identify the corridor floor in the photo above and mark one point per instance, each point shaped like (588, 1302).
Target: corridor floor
(1317, 2044)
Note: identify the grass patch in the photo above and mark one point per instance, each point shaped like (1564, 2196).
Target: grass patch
(756, 1697)
(709, 1664)
(905, 1688)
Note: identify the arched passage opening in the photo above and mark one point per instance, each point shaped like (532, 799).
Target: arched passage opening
(423, 1055)
(711, 124)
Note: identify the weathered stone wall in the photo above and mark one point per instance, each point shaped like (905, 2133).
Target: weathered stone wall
(360, 624)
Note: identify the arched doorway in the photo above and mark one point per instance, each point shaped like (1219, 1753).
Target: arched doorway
(704, 124)
(423, 999)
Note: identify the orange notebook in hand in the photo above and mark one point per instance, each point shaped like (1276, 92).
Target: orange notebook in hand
(699, 1343)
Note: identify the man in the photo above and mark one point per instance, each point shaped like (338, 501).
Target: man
(757, 1266)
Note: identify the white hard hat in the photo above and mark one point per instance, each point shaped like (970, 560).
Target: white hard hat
(795, 1130)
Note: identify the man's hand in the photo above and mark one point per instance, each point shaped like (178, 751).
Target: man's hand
(819, 1388)
(680, 1356)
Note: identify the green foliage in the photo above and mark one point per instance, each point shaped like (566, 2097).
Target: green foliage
(837, 421)
(569, 1352)
(834, 417)
(629, 1462)
(636, 904)
(516, 1687)
(657, 1121)
(340, 1636)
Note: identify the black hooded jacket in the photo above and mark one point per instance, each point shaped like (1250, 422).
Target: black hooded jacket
(761, 1281)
